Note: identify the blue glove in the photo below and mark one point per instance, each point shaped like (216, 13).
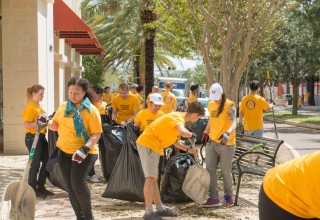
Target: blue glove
(81, 154)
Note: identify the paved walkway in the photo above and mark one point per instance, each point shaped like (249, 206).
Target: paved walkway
(58, 206)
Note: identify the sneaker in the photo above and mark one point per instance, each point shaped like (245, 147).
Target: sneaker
(94, 179)
(44, 191)
(229, 201)
(151, 216)
(167, 213)
(211, 203)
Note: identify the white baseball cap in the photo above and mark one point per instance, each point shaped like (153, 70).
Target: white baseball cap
(215, 92)
(156, 98)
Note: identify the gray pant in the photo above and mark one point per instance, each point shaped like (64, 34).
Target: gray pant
(223, 154)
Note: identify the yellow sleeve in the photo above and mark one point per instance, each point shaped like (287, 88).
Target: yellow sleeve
(59, 113)
(29, 114)
(114, 103)
(138, 117)
(95, 126)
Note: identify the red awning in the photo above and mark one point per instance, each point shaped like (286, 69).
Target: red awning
(76, 32)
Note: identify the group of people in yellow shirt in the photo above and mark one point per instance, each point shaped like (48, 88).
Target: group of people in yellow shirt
(289, 191)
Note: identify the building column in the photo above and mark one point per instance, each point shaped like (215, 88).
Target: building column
(27, 34)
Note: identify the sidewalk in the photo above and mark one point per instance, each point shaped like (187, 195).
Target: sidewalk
(58, 206)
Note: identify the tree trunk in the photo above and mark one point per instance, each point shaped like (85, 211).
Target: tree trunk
(295, 86)
(136, 64)
(149, 59)
(311, 97)
(147, 16)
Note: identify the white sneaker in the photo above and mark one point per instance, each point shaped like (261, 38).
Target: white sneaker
(94, 179)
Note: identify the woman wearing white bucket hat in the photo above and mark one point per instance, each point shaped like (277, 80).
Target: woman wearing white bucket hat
(221, 131)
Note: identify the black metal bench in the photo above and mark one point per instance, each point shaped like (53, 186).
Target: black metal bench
(252, 156)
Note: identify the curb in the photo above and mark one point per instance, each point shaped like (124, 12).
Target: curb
(303, 125)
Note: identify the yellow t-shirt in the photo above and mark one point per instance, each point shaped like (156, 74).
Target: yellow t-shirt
(125, 107)
(252, 106)
(295, 186)
(101, 106)
(220, 124)
(68, 141)
(306, 95)
(168, 99)
(114, 95)
(192, 98)
(30, 114)
(107, 98)
(163, 132)
(146, 117)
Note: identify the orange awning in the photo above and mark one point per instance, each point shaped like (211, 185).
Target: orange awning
(74, 30)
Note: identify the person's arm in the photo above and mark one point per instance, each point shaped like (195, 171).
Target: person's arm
(178, 144)
(136, 124)
(52, 125)
(207, 129)
(114, 114)
(183, 131)
(134, 115)
(233, 121)
(93, 139)
(241, 116)
(28, 124)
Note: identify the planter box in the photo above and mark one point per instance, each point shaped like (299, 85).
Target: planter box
(280, 102)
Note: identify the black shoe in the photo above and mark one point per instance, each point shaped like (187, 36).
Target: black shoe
(45, 191)
(38, 193)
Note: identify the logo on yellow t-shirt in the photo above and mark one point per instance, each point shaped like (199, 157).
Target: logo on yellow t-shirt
(250, 104)
(167, 99)
(214, 114)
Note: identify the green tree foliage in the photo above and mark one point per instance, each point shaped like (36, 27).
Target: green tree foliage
(93, 70)
(225, 33)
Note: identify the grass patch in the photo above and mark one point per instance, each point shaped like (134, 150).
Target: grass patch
(308, 119)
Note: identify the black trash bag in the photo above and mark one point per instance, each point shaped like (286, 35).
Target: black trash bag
(55, 175)
(110, 145)
(127, 179)
(198, 128)
(174, 175)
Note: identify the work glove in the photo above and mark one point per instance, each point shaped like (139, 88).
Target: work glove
(224, 138)
(240, 127)
(81, 154)
(113, 123)
(42, 120)
(136, 130)
(205, 138)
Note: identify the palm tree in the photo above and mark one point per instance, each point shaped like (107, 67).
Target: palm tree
(127, 30)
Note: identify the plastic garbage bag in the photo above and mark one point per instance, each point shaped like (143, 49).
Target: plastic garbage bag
(127, 179)
(55, 175)
(174, 175)
(110, 145)
(198, 128)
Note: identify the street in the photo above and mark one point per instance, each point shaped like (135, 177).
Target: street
(303, 140)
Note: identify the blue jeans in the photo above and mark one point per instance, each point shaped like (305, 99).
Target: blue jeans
(255, 133)
(223, 154)
(40, 159)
